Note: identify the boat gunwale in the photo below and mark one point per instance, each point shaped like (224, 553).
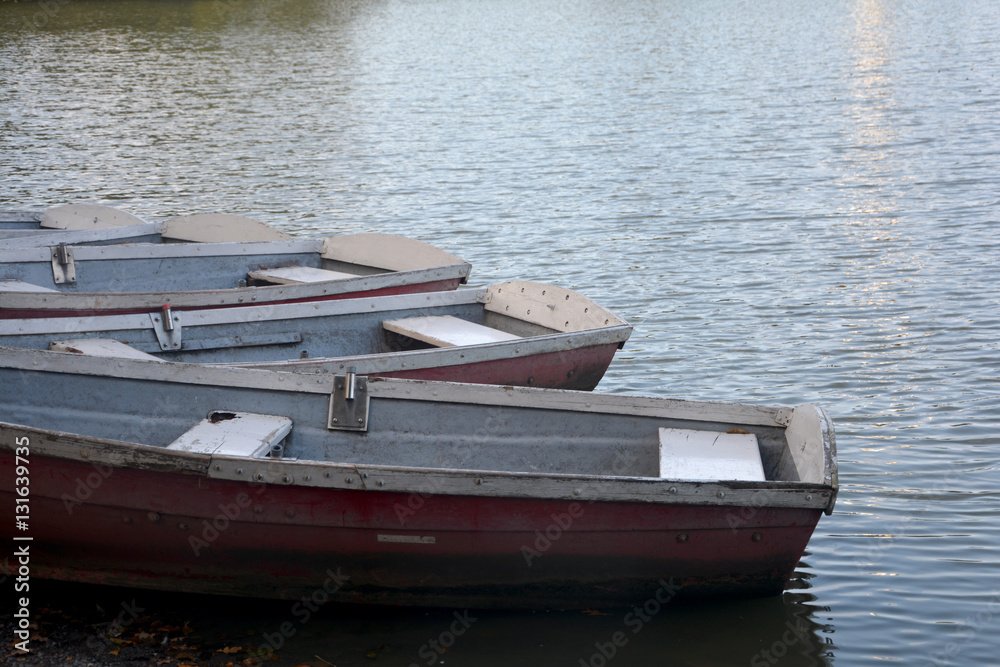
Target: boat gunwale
(452, 482)
(60, 302)
(143, 251)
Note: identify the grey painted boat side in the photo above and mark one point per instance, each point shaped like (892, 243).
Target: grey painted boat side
(159, 251)
(16, 233)
(144, 233)
(13, 219)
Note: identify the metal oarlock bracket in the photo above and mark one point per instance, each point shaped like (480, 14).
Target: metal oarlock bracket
(167, 327)
(348, 403)
(63, 268)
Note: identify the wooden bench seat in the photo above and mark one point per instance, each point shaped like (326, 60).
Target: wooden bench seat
(101, 347)
(687, 454)
(21, 286)
(446, 331)
(234, 434)
(292, 275)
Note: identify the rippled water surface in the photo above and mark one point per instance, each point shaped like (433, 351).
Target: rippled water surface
(790, 201)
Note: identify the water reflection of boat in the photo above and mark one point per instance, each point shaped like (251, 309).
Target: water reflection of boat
(260, 483)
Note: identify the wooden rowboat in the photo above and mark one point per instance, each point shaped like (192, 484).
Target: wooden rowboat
(520, 333)
(74, 281)
(259, 483)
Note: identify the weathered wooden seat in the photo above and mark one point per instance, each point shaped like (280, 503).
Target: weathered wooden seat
(87, 216)
(101, 347)
(687, 454)
(21, 286)
(219, 227)
(291, 275)
(446, 331)
(234, 434)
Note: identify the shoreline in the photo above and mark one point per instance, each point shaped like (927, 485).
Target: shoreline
(76, 625)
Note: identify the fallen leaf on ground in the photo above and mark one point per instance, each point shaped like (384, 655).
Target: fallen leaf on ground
(594, 612)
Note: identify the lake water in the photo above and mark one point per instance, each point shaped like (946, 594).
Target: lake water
(790, 201)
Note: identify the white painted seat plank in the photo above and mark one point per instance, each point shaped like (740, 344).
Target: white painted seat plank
(21, 286)
(234, 434)
(299, 274)
(446, 331)
(687, 454)
(101, 347)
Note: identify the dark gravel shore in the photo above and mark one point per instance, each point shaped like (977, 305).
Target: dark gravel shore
(94, 626)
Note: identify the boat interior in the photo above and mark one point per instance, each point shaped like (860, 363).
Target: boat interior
(421, 430)
(145, 268)
(278, 339)
(304, 331)
(178, 273)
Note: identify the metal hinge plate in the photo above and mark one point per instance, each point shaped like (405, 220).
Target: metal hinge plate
(348, 414)
(63, 268)
(169, 339)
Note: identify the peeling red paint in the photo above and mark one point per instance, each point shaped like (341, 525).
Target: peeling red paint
(163, 530)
